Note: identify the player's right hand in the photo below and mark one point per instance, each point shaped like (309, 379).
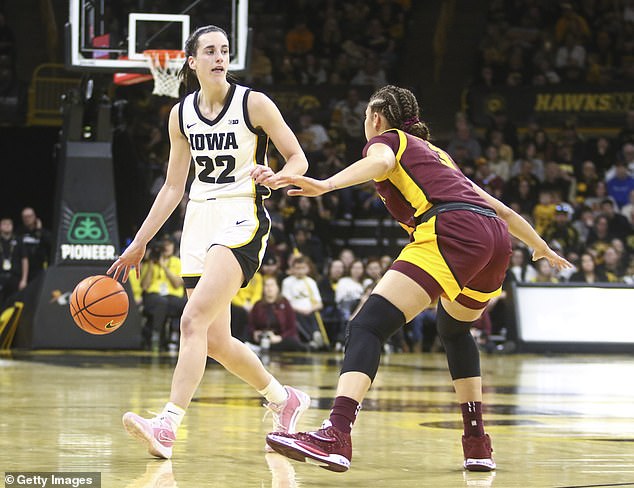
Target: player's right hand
(307, 187)
(555, 260)
(131, 258)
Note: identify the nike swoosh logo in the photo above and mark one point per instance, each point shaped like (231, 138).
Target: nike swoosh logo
(110, 325)
(238, 222)
(191, 125)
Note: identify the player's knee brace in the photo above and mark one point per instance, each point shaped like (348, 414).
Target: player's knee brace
(462, 352)
(377, 320)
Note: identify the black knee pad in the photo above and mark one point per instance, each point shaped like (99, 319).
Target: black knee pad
(462, 352)
(377, 320)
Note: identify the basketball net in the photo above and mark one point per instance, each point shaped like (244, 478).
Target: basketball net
(164, 65)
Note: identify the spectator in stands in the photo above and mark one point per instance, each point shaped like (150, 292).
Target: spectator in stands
(350, 289)
(312, 72)
(309, 244)
(498, 166)
(586, 182)
(300, 39)
(261, 68)
(544, 147)
(331, 36)
(330, 313)
(621, 184)
(505, 151)
(545, 273)
(570, 59)
(311, 135)
(501, 122)
(37, 242)
(523, 188)
(345, 121)
(241, 305)
(528, 152)
(601, 153)
(613, 266)
(487, 179)
(588, 272)
(599, 237)
(600, 194)
(347, 257)
(163, 294)
(373, 272)
(464, 137)
(571, 23)
(626, 210)
(522, 270)
(273, 317)
(584, 223)
(386, 261)
(271, 266)
(303, 294)
(372, 74)
(561, 230)
(14, 263)
(544, 211)
(558, 182)
(602, 60)
(618, 225)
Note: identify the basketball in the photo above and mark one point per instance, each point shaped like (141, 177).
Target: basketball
(99, 305)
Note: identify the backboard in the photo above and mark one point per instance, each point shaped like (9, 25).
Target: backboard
(111, 35)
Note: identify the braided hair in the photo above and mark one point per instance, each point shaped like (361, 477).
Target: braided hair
(400, 108)
(187, 74)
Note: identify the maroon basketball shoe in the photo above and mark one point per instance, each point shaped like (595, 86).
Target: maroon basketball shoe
(328, 448)
(477, 453)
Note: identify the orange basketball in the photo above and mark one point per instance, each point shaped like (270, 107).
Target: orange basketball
(99, 304)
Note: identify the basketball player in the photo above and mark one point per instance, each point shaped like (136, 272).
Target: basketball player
(459, 251)
(224, 128)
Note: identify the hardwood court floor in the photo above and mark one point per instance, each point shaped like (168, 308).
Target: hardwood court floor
(562, 421)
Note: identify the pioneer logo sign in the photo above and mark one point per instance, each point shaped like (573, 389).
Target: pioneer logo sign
(87, 239)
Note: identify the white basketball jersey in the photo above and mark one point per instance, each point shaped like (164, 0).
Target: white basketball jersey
(224, 150)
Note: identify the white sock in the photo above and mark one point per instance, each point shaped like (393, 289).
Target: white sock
(274, 392)
(174, 413)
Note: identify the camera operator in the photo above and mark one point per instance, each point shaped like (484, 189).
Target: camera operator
(163, 294)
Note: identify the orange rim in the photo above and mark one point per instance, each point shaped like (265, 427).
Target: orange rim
(162, 55)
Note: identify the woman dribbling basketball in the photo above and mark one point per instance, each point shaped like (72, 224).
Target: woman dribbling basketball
(224, 128)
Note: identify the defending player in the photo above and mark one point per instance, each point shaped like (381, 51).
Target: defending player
(224, 128)
(459, 251)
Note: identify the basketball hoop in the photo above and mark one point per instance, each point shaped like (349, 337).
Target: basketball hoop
(164, 65)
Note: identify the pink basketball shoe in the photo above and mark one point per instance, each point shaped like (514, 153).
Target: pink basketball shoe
(287, 414)
(157, 433)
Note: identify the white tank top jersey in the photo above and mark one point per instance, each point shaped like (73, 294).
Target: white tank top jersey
(224, 150)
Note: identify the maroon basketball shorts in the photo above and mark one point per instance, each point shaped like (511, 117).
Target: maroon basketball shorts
(460, 254)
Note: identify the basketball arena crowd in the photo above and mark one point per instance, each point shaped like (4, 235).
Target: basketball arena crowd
(575, 186)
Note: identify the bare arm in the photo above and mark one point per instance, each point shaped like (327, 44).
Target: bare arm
(264, 114)
(166, 201)
(379, 161)
(524, 232)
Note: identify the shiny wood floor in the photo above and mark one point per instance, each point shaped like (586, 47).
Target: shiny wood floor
(563, 421)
